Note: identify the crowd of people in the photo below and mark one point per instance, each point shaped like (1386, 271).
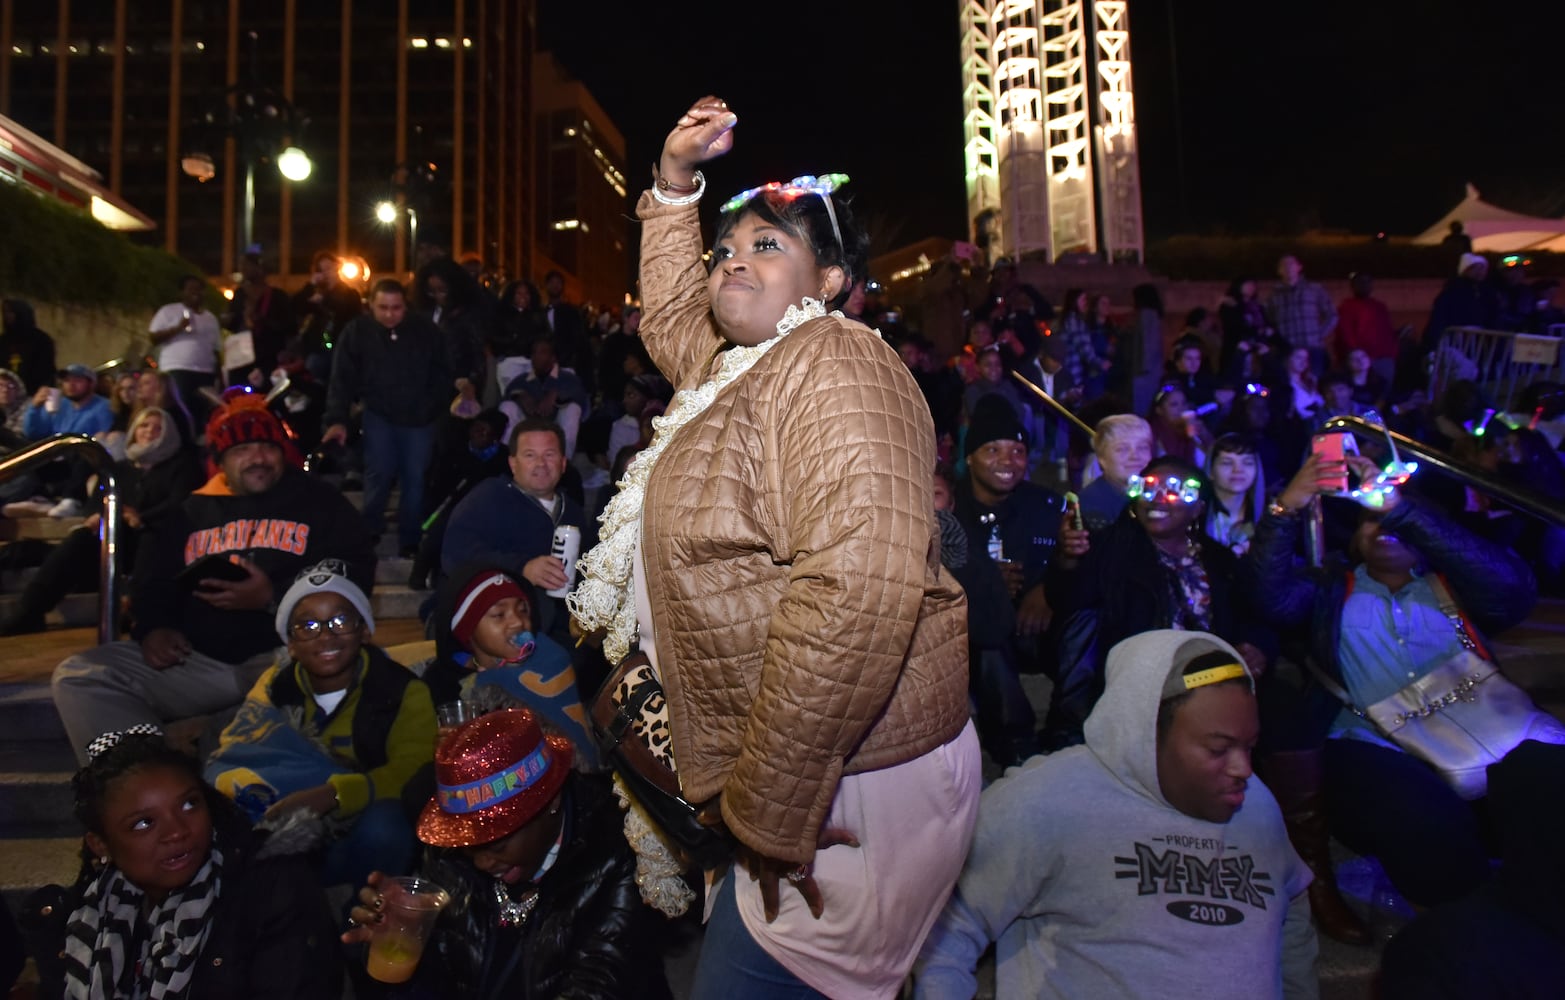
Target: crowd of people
(797, 553)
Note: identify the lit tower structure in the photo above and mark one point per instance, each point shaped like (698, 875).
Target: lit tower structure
(1119, 176)
(1033, 71)
(978, 125)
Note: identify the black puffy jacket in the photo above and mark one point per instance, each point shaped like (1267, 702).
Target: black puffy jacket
(1120, 589)
(589, 935)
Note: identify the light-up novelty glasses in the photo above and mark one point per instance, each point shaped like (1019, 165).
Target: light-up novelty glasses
(1164, 489)
(823, 185)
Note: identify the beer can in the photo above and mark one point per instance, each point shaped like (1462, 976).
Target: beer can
(566, 547)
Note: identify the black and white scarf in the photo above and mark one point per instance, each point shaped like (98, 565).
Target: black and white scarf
(167, 940)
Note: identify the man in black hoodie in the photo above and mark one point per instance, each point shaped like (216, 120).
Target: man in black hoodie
(25, 349)
(203, 634)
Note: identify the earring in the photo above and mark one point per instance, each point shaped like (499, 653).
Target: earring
(104, 861)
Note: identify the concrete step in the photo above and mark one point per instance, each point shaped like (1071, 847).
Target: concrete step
(48, 528)
(29, 863)
(392, 569)
(75, 611)
(36, 756)
(397, 601)
(27, 714)
(37, 803)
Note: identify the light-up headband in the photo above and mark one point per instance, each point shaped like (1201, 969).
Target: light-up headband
(1164, 489)
(823, 185)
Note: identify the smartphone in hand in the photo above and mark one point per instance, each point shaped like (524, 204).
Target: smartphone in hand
(1332, 451)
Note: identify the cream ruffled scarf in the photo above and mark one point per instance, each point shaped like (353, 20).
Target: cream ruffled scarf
(605, 598)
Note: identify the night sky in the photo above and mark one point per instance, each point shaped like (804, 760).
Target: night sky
(1282, 118)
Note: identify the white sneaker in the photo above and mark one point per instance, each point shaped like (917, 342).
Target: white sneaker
(67, 508)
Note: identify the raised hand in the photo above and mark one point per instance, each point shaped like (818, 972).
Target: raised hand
(703, 133)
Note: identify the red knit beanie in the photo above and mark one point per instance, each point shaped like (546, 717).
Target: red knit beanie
(244, 419)
(482, 592)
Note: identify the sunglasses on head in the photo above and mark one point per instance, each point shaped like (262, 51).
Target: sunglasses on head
(1164, 489)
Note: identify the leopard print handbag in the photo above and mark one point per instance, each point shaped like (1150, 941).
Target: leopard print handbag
(630, 714)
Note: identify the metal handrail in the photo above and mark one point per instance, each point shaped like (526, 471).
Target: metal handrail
(102, 462)
(1536, 504)
(1058, 406)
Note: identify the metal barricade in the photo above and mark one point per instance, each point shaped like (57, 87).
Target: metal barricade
(1500, 362)
(59, 445)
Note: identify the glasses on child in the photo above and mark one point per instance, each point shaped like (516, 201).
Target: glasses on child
(310, 630)
(1164, 489)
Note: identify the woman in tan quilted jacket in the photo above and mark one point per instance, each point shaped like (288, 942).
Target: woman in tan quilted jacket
(775, 552)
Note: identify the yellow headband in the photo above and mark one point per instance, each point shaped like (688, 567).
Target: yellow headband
(1213, 675)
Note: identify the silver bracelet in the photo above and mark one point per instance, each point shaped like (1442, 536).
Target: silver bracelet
(688, 199)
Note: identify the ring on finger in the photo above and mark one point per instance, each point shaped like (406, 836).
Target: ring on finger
(799, 874)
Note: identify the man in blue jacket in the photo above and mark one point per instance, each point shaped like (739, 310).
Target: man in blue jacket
(511, 522)
(80, 410)
(77, 410)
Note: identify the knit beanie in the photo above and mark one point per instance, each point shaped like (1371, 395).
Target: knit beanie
(329, 577)
(481, 593)
(993, 420)
(244, 419)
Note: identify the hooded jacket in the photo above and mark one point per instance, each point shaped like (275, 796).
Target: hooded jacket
(13, 436)
(804, 626)
(1095, 886)
(27, 350)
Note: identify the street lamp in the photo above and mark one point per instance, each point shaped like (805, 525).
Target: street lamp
(265, 126)
(294, 164)
(412, 186)
(386, 213)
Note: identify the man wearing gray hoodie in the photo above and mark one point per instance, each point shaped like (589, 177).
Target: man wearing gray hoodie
(1148, 863)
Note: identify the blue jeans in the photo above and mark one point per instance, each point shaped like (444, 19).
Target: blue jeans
(400, 455)
(733, 965)
(380, 840)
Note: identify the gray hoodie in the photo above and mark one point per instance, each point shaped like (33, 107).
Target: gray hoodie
(1094, 886)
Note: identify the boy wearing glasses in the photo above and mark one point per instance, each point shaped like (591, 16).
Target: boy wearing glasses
(336, 729)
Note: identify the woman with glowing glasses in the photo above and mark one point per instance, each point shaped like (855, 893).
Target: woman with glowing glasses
(774, 552)
(1154, 568)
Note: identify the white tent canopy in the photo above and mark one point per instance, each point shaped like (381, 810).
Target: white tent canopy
(1496, 230)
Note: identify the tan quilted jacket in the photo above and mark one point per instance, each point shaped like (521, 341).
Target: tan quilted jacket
(805, 628)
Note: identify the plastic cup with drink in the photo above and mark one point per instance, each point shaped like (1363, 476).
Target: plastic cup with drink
(409, 907)
(449, 717)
